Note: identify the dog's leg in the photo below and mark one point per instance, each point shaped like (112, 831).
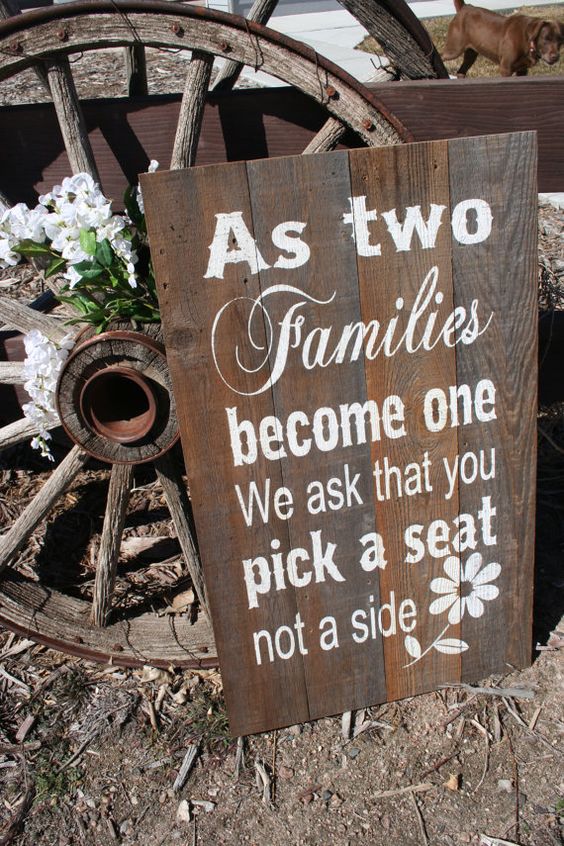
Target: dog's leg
(470, 57)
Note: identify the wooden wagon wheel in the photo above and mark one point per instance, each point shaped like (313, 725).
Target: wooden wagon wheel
(136, 362)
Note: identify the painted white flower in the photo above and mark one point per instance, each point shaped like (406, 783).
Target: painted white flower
(466, 587)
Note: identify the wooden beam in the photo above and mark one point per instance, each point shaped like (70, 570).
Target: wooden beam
(273, 122)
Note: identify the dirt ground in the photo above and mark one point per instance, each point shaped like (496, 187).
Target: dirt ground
(90, 755)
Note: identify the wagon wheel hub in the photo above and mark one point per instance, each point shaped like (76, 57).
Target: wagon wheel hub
(115, 398)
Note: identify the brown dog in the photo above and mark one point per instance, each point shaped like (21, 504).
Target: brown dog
(516, 42)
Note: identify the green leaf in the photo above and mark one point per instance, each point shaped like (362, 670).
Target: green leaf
(88, 241)
(31, 248)
(104, 253)
(89, 269)
(56, 265)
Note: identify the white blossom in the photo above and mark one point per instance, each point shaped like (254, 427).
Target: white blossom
(153, 166)
(42, 365)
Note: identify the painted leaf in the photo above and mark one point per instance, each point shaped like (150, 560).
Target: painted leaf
(451, 646)
(412, 646)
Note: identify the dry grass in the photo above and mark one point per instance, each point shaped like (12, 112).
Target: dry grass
(437, 29)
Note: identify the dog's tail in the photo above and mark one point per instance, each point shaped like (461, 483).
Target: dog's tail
(458, 4)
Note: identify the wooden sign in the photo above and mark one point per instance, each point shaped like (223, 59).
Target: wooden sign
(352, 342)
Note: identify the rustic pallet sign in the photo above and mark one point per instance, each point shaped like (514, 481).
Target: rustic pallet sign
(352, 343)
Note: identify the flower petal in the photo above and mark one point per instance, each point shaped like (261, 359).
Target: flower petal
(443, 586)
(474, 605)
(472, 566)
(488, 574)
(452, 568)
(485, 591)
(442, 603)
(456, 612)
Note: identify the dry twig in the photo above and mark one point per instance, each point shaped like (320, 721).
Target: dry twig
(420, 821)
(411, 788)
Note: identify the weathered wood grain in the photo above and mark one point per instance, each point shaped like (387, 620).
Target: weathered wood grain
(17, 432)
(403, 37)
(311, 363)
(15, 314)
(489, 273)
(134, 350)
(327, 138)
(180, 509)
(260, 12)
(70, 117)
(121, 479)
(136, 70)
(191, 111)
(14, 539)
(58, 620)
(249, 124)
(181, 203)
(343, 674)
(414, 176)
(11, 372)
(195, 29)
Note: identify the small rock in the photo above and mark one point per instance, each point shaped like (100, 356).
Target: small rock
(336, 801)
(295, 730)
(125, 827)
(505, 785)
(285, 773)
(208, 807)
(307, 798)
(453, 781)
(183, 813)
(353, 752)
(326, 795)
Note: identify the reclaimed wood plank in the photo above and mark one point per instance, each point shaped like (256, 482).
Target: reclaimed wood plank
(192, 198)
(340, 673)
(251, 124)
(499, 271)
(411, 176)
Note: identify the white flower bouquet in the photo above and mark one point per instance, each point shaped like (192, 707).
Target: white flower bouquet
(103, 257)
(105, 261)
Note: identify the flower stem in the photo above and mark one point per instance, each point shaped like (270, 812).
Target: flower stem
(415, 660)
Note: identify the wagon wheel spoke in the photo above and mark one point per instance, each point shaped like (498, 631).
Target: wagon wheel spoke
(17, 432)
(114, 520)
(261, 10)
(15, 539)
(403, 38)
(192, 110)
(11, 373)
(17, 315)
(180, 509)
(70, 117)
(327, 138)
(136, 70)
